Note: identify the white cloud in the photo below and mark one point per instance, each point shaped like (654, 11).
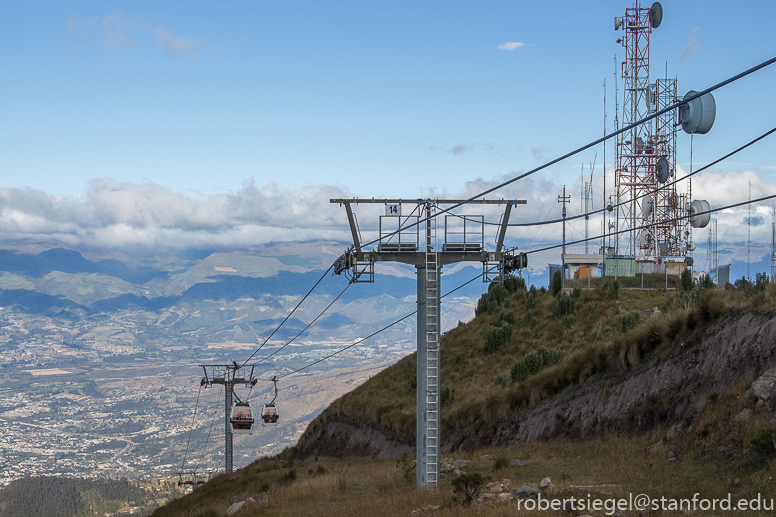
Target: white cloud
(114, 31)
(692, 46)
(124, 215)
(468, 148)
(117, 31)
(512, 45)
(120, 214)
(175, 45)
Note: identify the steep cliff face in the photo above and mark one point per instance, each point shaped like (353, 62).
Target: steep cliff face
(672, 385)
(338, 438)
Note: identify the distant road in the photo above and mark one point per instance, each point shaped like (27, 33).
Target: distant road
(116, 459)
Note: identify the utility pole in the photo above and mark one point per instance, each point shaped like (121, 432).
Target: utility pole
(563, 200)
(463, 241)
(227, 375)
(749, 236)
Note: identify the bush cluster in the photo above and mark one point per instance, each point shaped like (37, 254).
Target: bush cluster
(764, 442)
(630, 320)
(748, 287)
(564, 305)
(493, 300)
(535, 361)
(557, 283)
(498, 337)
(468, 486)
(514, 284)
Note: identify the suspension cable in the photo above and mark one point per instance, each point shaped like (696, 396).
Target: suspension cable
(571, 218)
(604, 138)
(307, 327)
(193, 416)
(212, 421)
(289, 315)
(687, 216)
(377, 331)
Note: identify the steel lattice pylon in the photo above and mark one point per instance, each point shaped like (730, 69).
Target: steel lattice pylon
(670, 234)
(638, 152)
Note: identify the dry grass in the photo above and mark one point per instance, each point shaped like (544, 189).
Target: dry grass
(710, 454)
(609, 466)
(591, 339)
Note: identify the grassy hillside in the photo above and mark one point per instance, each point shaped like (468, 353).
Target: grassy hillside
(526, 345)
(489, 372)
(713, 460)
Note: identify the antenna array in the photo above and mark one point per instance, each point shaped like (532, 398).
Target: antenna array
(639, 150)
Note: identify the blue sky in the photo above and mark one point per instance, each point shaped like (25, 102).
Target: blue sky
(195, 100)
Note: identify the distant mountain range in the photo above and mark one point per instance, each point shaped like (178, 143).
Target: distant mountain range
(223, 295)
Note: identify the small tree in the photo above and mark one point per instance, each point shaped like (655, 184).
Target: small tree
(761, 281)
(498, 337)
(514, 284)
(742, 284)
(564, 305)
(406, 466)
(630, 320)
(707, 283)
(557, 283)
(686, 280)
(611, 289)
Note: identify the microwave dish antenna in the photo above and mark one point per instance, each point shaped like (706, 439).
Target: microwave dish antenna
(647, 206)
(663, 170)
(698, 219)
(644, 238)
(697, 116)
(656, 15)
(639, 144)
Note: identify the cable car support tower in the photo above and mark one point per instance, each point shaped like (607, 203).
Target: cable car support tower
(400, 242)
(227, 375)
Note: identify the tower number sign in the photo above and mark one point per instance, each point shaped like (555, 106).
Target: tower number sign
(392, 209)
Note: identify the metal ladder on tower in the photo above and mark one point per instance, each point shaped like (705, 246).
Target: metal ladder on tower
(432, 351)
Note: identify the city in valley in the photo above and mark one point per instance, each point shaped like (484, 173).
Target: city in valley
(88, 400)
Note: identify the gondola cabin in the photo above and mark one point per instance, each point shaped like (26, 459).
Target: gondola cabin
(269, 414)
(241, 419)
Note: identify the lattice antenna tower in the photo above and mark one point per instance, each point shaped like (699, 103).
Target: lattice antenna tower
(710, 252)
(715, 250)
(588, 204)
(603, 198)
(646, 155)
(773, 245)
(614, 225)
